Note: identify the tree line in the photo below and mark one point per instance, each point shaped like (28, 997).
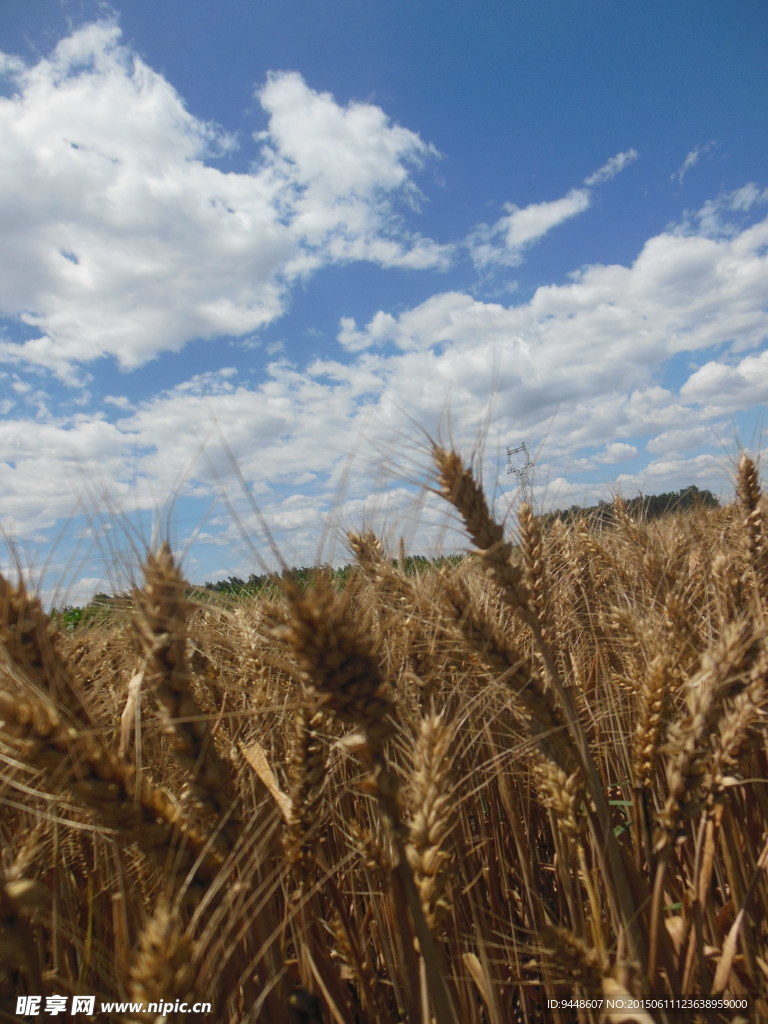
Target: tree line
(644, 507)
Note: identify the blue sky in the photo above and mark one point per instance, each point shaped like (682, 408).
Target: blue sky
(252, 250)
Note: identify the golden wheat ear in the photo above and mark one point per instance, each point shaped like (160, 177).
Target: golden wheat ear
(342, 661)
(338, 658)
(43, 720)
(750, 497)
(532, 545)
(458, 486)
(432, 815)
(573, 959)
(724, 674)
(130, 805)
(655, 700)
(31, 659)
(162, 613)
(308, 772)
(161, 968)
(515, 671)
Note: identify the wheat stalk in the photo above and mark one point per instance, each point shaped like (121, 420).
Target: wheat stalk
(515, 671)
(721, 677)
(161, 624)
(130, 805)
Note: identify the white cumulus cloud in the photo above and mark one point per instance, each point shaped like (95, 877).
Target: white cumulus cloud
(618, 451)
(122, 238)
(575, 367)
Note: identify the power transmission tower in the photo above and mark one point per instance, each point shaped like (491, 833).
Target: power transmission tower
(521, 466)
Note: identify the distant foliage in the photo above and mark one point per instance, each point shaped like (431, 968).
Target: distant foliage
(255, 585)
(269, 582)
(644, 507)
(99, 611)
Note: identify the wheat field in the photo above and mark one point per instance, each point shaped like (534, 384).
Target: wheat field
(537, 774)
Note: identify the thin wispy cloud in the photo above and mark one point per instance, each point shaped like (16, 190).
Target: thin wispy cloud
(506, 241)
(611, 167)
(691, 159)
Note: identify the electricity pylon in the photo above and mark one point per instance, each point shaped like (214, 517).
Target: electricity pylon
(523, 472)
